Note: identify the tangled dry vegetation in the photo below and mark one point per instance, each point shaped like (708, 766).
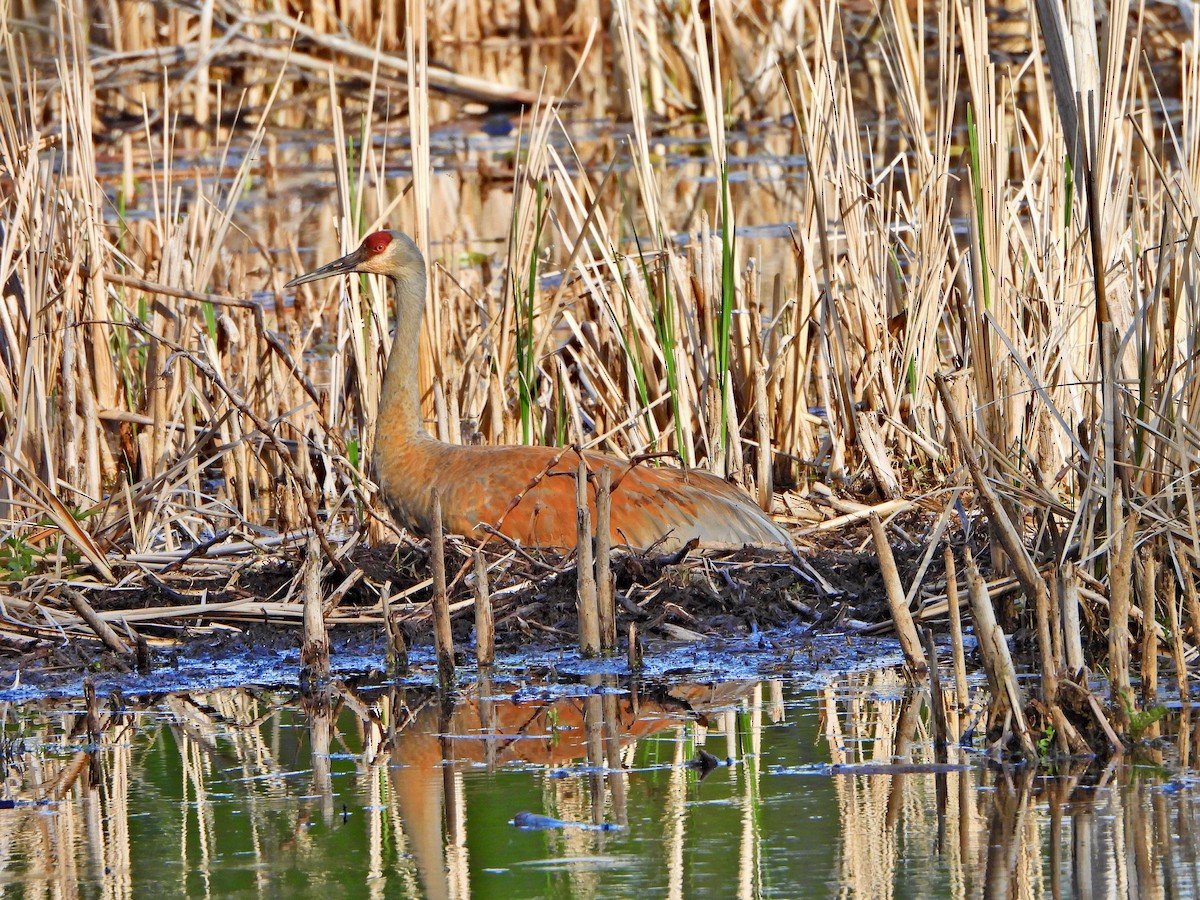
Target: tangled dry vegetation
(976, 310)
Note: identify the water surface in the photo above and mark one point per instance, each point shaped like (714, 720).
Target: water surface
(807, 789)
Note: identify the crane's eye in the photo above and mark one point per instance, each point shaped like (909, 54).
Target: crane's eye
(378, 242)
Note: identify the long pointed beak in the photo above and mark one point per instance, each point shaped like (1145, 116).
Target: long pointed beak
(341, 266)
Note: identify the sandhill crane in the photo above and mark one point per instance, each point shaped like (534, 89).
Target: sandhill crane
(526, 493)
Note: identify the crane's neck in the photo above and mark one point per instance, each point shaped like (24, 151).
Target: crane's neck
(400, 402)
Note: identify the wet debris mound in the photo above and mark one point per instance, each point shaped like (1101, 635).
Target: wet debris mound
(685, 596)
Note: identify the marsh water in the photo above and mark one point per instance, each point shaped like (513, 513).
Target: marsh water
(767, 769)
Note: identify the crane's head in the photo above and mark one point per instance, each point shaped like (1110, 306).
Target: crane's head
(390, 253)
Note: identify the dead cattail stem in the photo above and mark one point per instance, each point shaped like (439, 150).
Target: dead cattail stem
(1174, 603)
(874, 450)
(68, 402)
(397, 648)
(1023, 566)
(1147, 588)
(851, 516)
(906, 629)
(983, 617)
(91, 707)
(934, 538)
(589, 620)
(1190, 594)
(443, 634)
(329, 607)
(485, 629)
(604, 571)
(1068, 588)
(634, 649)
(997, 661)
(1107, 336)
(764, 465)
(142, 655)
(480, 89)
(103, 630)
(956, 637)
(1120, 588)
(314, 652)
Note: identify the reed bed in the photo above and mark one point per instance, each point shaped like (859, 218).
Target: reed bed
(982, 319)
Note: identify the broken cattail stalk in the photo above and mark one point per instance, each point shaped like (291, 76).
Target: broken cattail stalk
(1147, 578)
(92, 711)
(1177, 648)
(585, 591)
(604, 573)
(102, 629)
(874, 450)
(984, 617)
(485, 628)
(142, 655)
(956, 637)
(335, 597)
(764, 464)
(733, 461)
(634, 649)
(1068, 581)
(1120, 588)
(314, 652)
(997, 661)
(443, 635)
(397, 648)
(906, 629)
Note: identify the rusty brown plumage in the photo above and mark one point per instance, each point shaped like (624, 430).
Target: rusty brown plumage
(525, 493)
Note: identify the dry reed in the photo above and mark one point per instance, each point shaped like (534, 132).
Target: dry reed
(1028, 229)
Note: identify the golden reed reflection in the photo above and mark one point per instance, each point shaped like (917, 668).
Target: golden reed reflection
(396, 790)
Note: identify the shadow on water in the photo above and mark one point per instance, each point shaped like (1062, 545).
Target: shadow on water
(600, 786)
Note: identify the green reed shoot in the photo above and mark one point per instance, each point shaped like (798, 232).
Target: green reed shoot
(977, 182)
(658, 289)
(1069, 178)
(525, 304)
(210, 319)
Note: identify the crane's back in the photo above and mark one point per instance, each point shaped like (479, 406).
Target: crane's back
(528, 494)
